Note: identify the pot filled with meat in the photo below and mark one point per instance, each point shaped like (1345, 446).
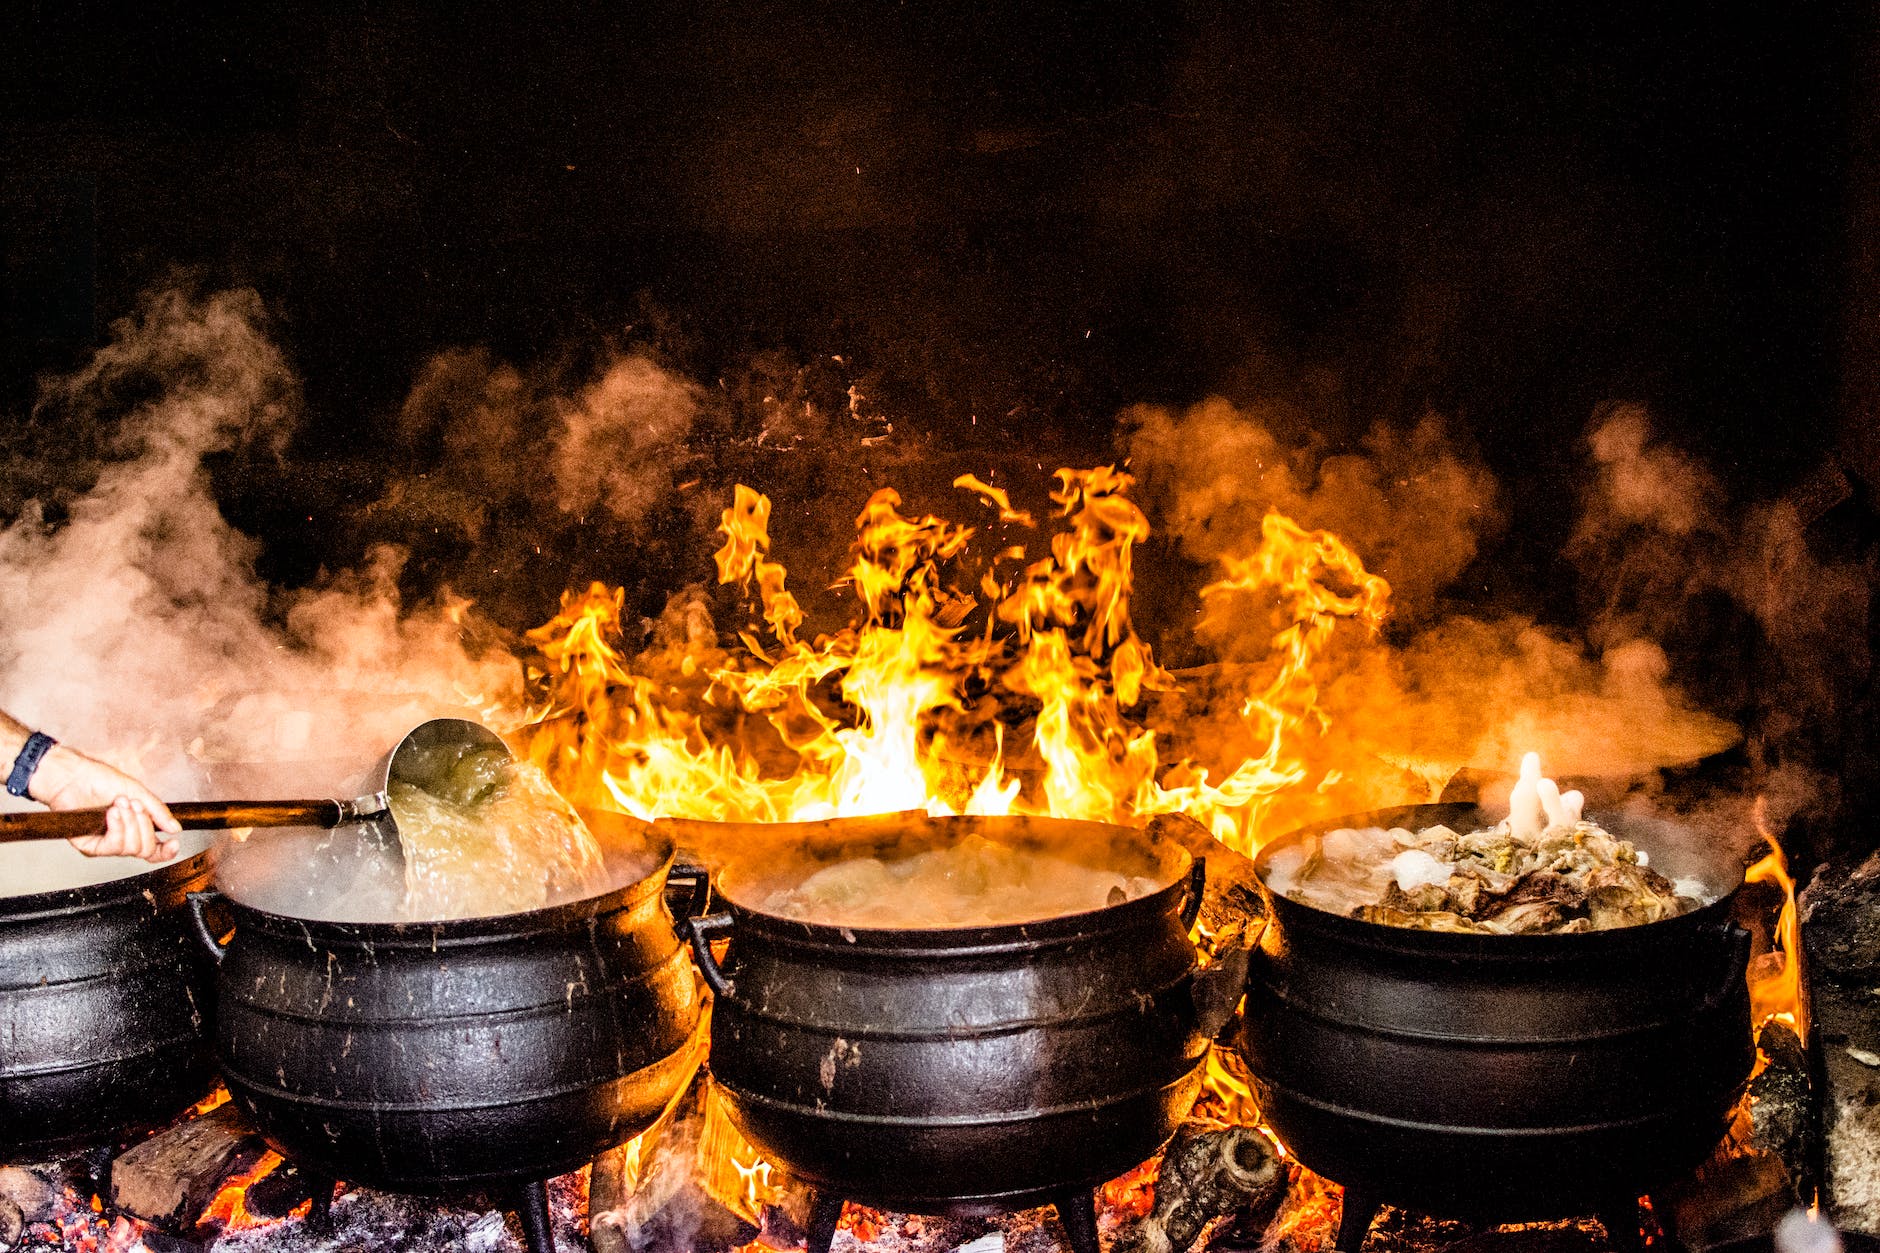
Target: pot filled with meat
(1498, 1016)
(945, 1015)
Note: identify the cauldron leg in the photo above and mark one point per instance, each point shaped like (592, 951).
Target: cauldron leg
(825, 1211)
(1078, 1212)
(1354, 1220)
(532, 1209)
(1620, 1219)
(320, 1214)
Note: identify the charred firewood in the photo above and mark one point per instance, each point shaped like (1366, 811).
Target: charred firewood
(1765, 1166)
(1232, 913)
(1208, 1175)
(171, 1177)
(1840, 915)
(280, 1192)
(25, 1197)
(1231, 906)
(1782, 1107)
(667, 1206)
(607, 1192)
(784, 1227)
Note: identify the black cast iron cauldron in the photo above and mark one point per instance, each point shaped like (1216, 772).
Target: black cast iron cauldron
(961, 1070)
(482, 1054)
(1492, 1077)
(104, 1004)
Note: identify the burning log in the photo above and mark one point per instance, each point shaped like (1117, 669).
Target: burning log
(280, 1192)
(609, 1187)
(1208, 1174)
(1232, 913)
(784, 1227)
(1764, 1167)
(171, 1177)
(651, 1196)
(1782, 1106)
(1231, 905)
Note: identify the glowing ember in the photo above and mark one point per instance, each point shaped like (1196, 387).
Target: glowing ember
(229, 1209)
(218, 1096)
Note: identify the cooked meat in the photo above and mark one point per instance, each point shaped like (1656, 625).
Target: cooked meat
(1547, 885)
(1527, 918)
(1625, 896)
(1565, 878)
(1433, 920)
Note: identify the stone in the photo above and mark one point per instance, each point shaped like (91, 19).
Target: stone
(1840, 914)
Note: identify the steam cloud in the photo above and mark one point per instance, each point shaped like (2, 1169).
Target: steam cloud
(1687, 601)
(144, 632)
(140, 630)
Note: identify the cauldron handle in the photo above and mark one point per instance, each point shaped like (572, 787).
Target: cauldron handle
(1197, 884)
(701, 931)
(199, 903)
(698, 880)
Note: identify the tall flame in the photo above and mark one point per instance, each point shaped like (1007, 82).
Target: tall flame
(1022, 695)
(1777, 990)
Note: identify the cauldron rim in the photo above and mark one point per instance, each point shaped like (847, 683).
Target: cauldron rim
(969, 940)
(171, 877)
(1456, 944)
(434, 933)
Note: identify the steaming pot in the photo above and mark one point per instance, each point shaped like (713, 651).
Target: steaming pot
(467, 1055)
(961, 1070)
(103, 998)
(1498, 1077)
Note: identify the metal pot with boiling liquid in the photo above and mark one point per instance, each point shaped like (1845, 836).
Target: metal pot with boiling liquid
(975, 1068)
(483, 1053)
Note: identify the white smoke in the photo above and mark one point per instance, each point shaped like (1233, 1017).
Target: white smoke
(138, 629)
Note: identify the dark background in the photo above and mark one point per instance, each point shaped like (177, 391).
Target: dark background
(1008, 220)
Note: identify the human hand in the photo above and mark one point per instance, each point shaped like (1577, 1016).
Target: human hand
(68, 779)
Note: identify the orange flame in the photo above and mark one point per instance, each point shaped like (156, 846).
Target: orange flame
(1777, 990)
(229, 1209)
(218, 1096)
(734, 1173)
(1013, 686)
(1033, 710)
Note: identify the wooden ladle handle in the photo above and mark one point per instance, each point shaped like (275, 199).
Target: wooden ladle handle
(194, 815)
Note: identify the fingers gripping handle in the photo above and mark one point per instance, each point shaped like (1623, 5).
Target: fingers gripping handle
(199, 903)
(701, 930)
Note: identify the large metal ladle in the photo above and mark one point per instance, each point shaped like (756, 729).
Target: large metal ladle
(436, 756)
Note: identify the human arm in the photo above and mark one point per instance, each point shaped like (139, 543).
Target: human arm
(136, 823)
